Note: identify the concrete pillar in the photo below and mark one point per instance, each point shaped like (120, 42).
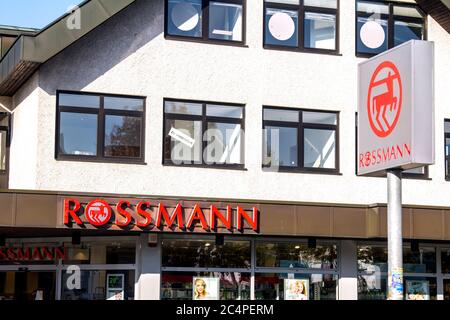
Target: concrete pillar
(348, 281)
(148, 269)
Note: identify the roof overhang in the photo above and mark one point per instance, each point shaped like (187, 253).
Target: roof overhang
(29, 51)
(439, 10)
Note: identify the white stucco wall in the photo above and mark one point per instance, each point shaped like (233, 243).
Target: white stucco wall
(129, 55)
(24, 137)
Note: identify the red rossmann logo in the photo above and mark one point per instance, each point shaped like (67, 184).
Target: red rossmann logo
(98, 213)
(384, 99)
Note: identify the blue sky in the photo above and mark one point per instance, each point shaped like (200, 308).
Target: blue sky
(33, 13)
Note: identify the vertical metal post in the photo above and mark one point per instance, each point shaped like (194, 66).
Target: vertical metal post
(395, 245)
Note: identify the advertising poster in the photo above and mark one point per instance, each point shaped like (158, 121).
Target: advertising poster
(115, 286)
(417, 290)
(205, 288)
(296, 289)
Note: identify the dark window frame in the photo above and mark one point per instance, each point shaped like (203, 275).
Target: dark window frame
(101, 118)
(205, 25)
(204, 120)
(300, 126)
(301, 9)
(391, 18)
(446, 157)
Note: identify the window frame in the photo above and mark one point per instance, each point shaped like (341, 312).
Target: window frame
(101, 118)
(204, 124)
(300, 126)
(301, 10)
(446, 157)
(205, 25)
(391, 18)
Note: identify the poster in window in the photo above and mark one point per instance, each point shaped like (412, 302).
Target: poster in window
(115, 286)
(417, 290)
(296, 289)
(205, 288)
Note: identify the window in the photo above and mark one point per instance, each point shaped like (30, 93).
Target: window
(300, 140)
(4, 141)
(219, 21)
(100, 127)
(308, 25)
(203, 134)
(447, 148)
(383, 25)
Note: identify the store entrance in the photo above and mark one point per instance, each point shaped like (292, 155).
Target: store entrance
(27, 285)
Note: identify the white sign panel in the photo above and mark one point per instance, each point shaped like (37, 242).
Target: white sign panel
(396, 108)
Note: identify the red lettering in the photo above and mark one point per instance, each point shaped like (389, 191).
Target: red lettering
(61, 253)
(23, 254)
(11, 254)
(124, 213)
(406, 147)
(37, 254)
(215, 213)
(48, 253)
(197, 214)
(253, 222)
(71, 212)
(141, 212)
(392, 153)
(373, 157)
(379, 151)
(177, 214)
(399, 151)
(2, 254)
(361, 160)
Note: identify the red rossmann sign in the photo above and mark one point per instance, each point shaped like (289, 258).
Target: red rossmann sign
(146, 215)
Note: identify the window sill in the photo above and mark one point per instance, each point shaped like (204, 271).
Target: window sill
(303, 171)
(295, 49)
(206, 166)
(213, 42)
(102, 160)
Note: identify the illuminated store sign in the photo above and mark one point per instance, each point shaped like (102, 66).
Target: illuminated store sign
(146, 215)
(32, 253)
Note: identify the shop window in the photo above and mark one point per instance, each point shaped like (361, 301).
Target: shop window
(290, 286)
(100, 127)
(206, 254)
(300, 140)
(100, 285)
(445, 260)
(214, 21)
(295, 255)
(203, 134)
(27, 285)
(383, 25)
(309, 25)
(101, 253)
(205, 286)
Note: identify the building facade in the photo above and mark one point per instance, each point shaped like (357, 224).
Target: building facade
(169, 142)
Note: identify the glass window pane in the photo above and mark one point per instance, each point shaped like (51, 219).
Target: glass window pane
(205, 253)
(183, 144)
(3, 136)
(284, 1)
(124, 104)
(224, 143)
(420, 288)
(122, 136)
(295, 255)
(372, 35)
(320, 148)
(281, 27)
(225, 21)
(446, 289)
(184, 18)
(183, 108)
(224, 111)
(372, 8)
(319, 117)
(447, 126)
(372, 286)
(78, 134)
(295, 286)
(422, 261)
(215, 285)
(405, 31)
(95, 285)
(407, 12)
(372, 259)
(79, 100)
(320, 31)
(281, 115)
(282, 147)
(321, 3)
(445, 260)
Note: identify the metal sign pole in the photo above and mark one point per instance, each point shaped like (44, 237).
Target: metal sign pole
(395, 246)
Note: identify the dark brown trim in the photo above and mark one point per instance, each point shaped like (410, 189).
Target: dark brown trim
(302, 9)
(205, 26)
(301, 126)
(101, 116)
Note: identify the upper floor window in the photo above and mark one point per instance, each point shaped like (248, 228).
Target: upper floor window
(382, 25)
(447, 148)
(221, 20)
(203, 134)
(100, 127)
(301, 24)
(302, 140)
(4, 141)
